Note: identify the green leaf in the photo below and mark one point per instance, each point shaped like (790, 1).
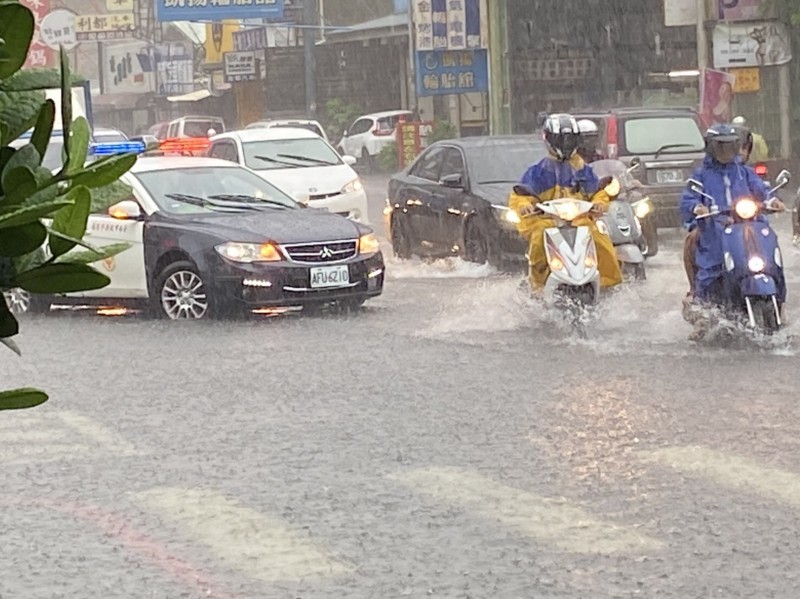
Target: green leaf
(90, 256)
(108, 195)
(73, 240)
(20, 399)
(66, 99)
(27, 214)
(78, 144)
(104, 172)
(18, 184)
(71, 220)
(25, 157)
(28, 261)
(65, 277)
(8, 324)
(16, 30)
(44, 127)
(36, 79)
(18, 113)
(23, 239)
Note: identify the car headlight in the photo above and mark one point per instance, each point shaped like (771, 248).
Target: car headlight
(369, 244)
(353, 186)
(507, 215)
(247, 253)
(746, 208)
(756, 264)
(643, 207)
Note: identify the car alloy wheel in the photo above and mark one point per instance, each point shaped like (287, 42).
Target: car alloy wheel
(18, 300)
(183, 296)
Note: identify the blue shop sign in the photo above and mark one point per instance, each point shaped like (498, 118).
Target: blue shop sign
(442, 72)
(218, 10)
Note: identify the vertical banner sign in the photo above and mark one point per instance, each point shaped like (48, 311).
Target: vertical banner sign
(456, 25)
(423, 22)
(476, 36)
(439, 18)
(40, 55)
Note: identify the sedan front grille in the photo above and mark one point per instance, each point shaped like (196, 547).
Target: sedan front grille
(321, 252)
(323, 196)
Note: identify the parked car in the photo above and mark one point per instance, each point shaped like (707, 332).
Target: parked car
(368, 134)
(108, 135)
(311, 125)
(669, 142)
(208, 237)
(453, 199)
(299, 162)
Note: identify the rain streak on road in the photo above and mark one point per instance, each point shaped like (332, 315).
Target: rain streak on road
(451, 440)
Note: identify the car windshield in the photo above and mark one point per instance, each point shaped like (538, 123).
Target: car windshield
(288, 153)
(670, 135)
(503, 162)
(307, 126)
(219, 183)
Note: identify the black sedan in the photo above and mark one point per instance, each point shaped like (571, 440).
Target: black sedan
(453, 200)
(208, 237)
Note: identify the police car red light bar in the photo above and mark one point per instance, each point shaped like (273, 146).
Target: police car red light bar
(116, 147)
(185, 144)
(761, 170)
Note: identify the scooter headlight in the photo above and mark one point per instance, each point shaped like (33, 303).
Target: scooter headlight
(643, 207)
(746, 208)
(568, 211)
(756, 264)
(556, 263)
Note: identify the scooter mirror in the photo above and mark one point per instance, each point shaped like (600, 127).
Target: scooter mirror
(636, 162)
(613, 188)
(694, 184)
(783, 178)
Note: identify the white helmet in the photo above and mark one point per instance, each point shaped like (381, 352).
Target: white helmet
(588, 127)
(740, 121)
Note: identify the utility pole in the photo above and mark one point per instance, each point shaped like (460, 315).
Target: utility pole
(702, 38)
(413, 102)
(309, 45)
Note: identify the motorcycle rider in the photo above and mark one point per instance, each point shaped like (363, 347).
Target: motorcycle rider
(759, 150)
(726, 178)
(590, 141)
(563, 173)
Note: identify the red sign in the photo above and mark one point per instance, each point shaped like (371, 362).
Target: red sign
(411, 140)
(39, 54)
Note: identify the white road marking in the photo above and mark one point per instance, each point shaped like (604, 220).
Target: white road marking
(264, 548)
(740, 473)
(108, 439)
(566, 527)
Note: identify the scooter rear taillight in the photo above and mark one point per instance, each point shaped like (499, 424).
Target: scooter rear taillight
(762, 170)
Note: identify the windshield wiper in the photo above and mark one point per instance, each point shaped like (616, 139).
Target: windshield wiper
(204, 203)
(668, 146)
(281, 162)
(497, 181)
(308, 159)
(246, 199)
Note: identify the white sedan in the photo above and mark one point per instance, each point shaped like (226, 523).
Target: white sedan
(300, 163)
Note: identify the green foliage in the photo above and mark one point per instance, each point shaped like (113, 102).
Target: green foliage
(339, 115)
(388, 159)
(39, 209)
(441, 131)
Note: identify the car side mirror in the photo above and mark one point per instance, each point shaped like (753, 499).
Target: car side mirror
(454, 181)
(349, 160)
(125, 210)
(344, 134)
(523, 190)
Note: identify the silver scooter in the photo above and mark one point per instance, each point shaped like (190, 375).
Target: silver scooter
(622, 221)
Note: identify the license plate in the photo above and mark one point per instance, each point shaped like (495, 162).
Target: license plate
(329, 276)
(669, 176)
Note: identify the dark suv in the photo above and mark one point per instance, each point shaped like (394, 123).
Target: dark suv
(669, 142)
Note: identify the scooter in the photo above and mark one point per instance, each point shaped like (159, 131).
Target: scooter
(753, 261)
(622, 223)
(571, 254)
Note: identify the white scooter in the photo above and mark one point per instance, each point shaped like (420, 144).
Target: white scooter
(574, 280)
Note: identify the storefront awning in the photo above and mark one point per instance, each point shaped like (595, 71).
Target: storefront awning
(198, 94)
(390, 26)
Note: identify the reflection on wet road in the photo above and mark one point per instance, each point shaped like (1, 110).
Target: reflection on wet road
(450, 441)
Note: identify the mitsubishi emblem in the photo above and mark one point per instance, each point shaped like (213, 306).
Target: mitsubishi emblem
(326, 253)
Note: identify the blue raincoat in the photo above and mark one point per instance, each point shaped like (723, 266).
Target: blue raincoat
(726, 183)
(551, 179)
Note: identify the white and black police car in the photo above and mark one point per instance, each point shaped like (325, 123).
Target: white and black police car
(209, 237)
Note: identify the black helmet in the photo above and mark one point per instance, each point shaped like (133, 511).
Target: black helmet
(561, 135)
(723, 143)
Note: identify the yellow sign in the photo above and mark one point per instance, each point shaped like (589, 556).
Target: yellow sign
(219, 39)
(747, 80)
(120, 5)
(112, 24)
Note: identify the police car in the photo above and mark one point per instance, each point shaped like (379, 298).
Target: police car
(209, 237)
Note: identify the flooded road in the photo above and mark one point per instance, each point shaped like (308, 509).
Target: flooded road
(449, 441)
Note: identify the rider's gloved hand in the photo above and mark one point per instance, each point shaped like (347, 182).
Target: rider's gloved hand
(700, 210)
(598, 209)
(529, 210)
(775, 204)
